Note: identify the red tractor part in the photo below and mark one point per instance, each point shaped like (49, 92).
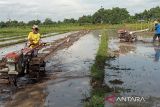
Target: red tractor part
(25, 61)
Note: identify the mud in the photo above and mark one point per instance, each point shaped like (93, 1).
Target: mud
(134, 70)
(66, 82)
(73, 82)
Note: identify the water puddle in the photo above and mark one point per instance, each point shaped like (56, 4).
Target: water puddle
(135, 71)
(73, 83)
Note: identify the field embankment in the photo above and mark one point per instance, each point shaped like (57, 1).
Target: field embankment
(97, 74)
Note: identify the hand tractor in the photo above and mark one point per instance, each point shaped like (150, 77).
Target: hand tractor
(29, 61)
(129, 36)
(25, 61)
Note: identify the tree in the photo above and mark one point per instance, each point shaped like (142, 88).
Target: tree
(48, 21)
(151, 14)
(155, 13)
(85, 19)
(21, 23)
(114, 16)
(99, 17)
(2, 24)
(12, 23)
(34, 22)
(72, 20)
(119, 15)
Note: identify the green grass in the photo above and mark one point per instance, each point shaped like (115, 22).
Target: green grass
(97, 70)
(97, 74)
(17, 31)
(24, 30)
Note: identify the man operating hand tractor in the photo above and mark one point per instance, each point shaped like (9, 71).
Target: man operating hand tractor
(34, 37)
(157, 31)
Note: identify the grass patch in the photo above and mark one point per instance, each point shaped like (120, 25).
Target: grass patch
(45, 29)
(97, 70)
(97, 73)
(17, 31)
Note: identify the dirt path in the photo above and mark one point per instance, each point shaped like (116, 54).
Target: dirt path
(66, 82)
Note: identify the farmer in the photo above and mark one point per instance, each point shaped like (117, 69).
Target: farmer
(34, 37)
(157, 31)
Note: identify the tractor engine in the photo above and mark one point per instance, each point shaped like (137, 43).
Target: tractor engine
(25, 61)
(126, 36)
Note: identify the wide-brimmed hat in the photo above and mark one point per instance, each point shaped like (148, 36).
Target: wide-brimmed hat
(156, 22)
(35, 27)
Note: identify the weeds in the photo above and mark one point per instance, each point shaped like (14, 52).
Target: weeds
(97, 74)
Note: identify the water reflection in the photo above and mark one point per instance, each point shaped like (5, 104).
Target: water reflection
(124, 49)
(157, 52)
(134, 73)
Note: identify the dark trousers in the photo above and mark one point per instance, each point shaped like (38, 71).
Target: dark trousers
(155, 37)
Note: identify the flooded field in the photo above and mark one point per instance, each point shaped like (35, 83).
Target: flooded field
(73, 83)
(134, 72)
(67, 80)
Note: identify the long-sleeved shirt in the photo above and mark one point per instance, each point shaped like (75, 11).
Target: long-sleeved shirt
(157, 29)
(34, 38)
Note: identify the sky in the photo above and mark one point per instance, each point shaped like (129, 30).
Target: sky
(25, 10)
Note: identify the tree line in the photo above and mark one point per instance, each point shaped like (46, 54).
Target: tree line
(115, 15)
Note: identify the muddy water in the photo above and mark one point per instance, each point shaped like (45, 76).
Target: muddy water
(135, 72)
(67, 80)
(72, 84)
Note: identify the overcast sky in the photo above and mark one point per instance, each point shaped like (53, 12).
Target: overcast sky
(59, 9)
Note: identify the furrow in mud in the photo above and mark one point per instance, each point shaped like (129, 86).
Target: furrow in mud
(133, 71)
(76, 70)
